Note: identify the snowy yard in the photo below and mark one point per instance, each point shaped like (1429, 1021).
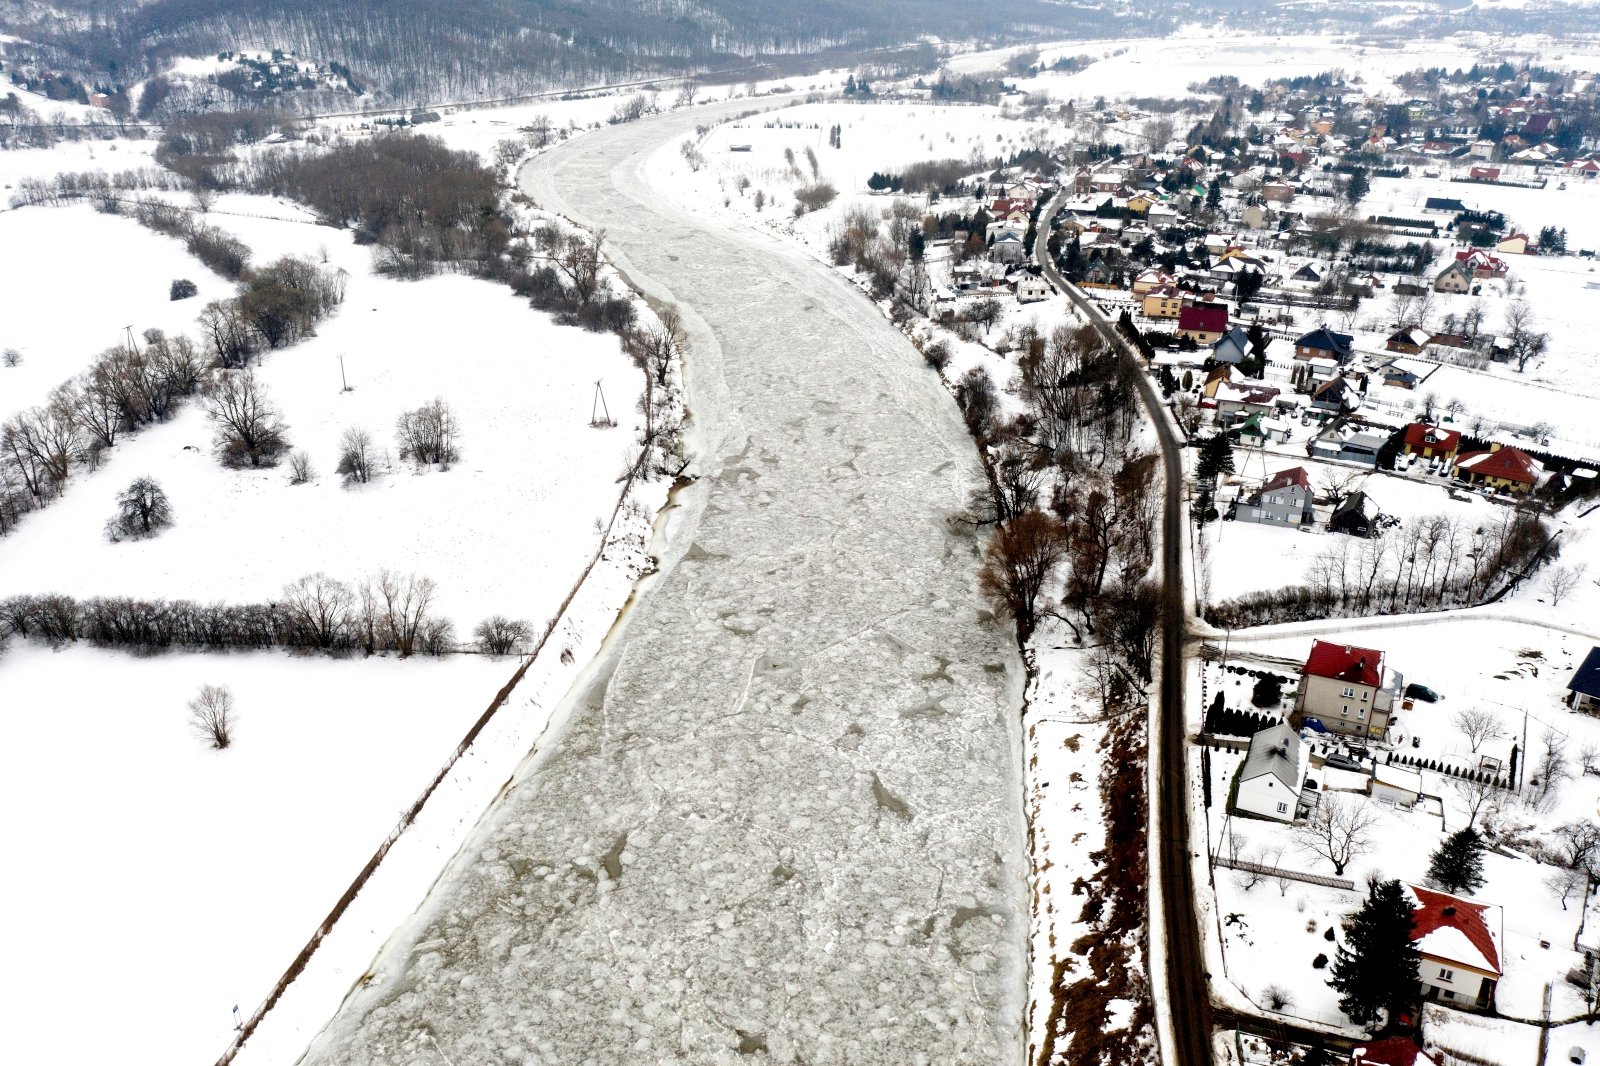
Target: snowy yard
(157, 882)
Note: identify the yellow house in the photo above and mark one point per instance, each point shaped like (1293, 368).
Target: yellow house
(1141, 203)
(1504, 469)
(1163, 302)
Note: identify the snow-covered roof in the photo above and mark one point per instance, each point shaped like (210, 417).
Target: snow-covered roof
(1453, 929)
(1276, 751)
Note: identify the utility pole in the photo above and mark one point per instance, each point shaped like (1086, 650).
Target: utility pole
(345, 385)
(133, 345)
(599, 413)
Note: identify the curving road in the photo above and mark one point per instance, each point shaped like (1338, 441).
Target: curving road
(785, 812)
(1185, 984)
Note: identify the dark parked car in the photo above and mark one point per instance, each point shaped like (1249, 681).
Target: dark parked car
(1340, 761)
(1421, 692)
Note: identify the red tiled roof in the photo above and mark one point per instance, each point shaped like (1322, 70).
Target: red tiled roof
(1440, 910)
(1361, 666)
(1295, 475)
(1204, 319)
(1513, 464)
(1422, 435)
(1390, 1051)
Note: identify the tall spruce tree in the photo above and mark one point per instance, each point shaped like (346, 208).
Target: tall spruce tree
(1216, 457)
(1457, 866)
(1377, 969)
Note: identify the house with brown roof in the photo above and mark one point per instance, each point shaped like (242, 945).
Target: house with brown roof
(1516, 244)
(1428, 441)
(1348, 689)
(1408, 341)
(1460, 944)
(1502, 468)
(1285, 500)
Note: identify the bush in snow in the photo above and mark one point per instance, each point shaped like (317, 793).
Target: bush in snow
(500, 635)
(182, 289)
(428, 435)
(356, 461)
(1277, 998)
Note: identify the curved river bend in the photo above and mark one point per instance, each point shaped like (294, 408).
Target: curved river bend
(784, 815)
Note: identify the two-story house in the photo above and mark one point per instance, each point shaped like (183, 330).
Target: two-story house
(1348, 689)
(1324, 343)
(1427, 441)
(1285, 500)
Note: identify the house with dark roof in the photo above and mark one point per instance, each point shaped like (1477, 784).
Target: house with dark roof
(1334, 397)
(1272, 774)
(1427, 441)
(1203, 323)
(1583, 691)
(1502, 468)
(1393, 374)
(1285, 500)
(1233, 347)
(1390, 1051)
(1356, 516)
(1447, 205)
(1324, 343)
(1408, 341)
(1460, 944)
(1348, 689)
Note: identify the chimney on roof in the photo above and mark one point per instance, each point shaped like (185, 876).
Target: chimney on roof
(1450, 911)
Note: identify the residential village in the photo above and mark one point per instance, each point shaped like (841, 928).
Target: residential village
(1368, 311)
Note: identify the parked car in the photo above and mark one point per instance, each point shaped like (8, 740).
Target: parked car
(1340, 761)
(1421, 692)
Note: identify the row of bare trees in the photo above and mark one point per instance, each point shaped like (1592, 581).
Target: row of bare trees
(1432, 563)
(384, 612)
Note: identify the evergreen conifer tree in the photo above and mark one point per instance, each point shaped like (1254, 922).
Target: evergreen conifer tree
(1377, 969)
(1457, 865)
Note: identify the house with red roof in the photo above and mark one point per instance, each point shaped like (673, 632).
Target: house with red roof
(1482, 264)
(1502, 468)
(1348, 689)
(1460, 944)
(1428, 441)
(1203, 323)
(1391, 1051)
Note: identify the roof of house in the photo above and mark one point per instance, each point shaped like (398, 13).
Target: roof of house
(1295, 475)
(1276, 751)
(1422, 435)
(1456, 930)
(1443, 203)
(1342, 662)
(1398, 777)
(1458, 266)
(1358, 503)
(1325, 339)
(1391, 1051)
(1204, 318)
(1512, 464)
(1413, 335)
(1235, 338)
(1243, 393)
(1586, 679)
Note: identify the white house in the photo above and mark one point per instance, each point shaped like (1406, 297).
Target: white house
(1272, 773)
(1031, 289)
(1460, 945)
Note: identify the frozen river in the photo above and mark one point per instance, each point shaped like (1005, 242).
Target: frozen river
(784, 816)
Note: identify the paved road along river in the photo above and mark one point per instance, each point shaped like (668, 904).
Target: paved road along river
(785, 813)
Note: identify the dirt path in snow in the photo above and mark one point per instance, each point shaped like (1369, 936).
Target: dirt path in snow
(787, 815)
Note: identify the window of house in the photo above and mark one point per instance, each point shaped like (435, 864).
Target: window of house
(1363, 697)
(1447, 994)
(1348, 692)
(1345, 711)
(1446, 975)
(1361, 712)
(1283, 808)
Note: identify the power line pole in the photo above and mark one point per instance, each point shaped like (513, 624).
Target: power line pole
(342, 381)
(599, 413)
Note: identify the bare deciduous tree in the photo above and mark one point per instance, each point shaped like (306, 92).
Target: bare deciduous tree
(1550, 769)
(211, 715)
(1339, 829)
(1473, 795)
(394, 610)
(355, 456)
(1565, 883)
(250, 431)
(143, 510)
(428, 435)
(319, 609)
(1478, 725)
(499, 635)
(1559, 581)
(300, 470)
(579, 259)
(1018, 561)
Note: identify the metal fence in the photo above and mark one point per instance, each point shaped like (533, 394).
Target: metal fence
(1292, 875)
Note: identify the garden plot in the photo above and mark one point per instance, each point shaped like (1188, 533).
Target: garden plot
(506, 530)
(74, 280)
(161, 882)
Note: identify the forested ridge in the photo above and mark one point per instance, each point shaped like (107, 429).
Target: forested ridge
(413, 51)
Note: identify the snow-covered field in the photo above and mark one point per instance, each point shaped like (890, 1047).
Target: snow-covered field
(155, 882)
(509, 524)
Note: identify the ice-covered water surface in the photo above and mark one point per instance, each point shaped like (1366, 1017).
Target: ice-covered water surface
(786, 817)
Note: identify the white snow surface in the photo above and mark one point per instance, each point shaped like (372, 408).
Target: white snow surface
(790, 814)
